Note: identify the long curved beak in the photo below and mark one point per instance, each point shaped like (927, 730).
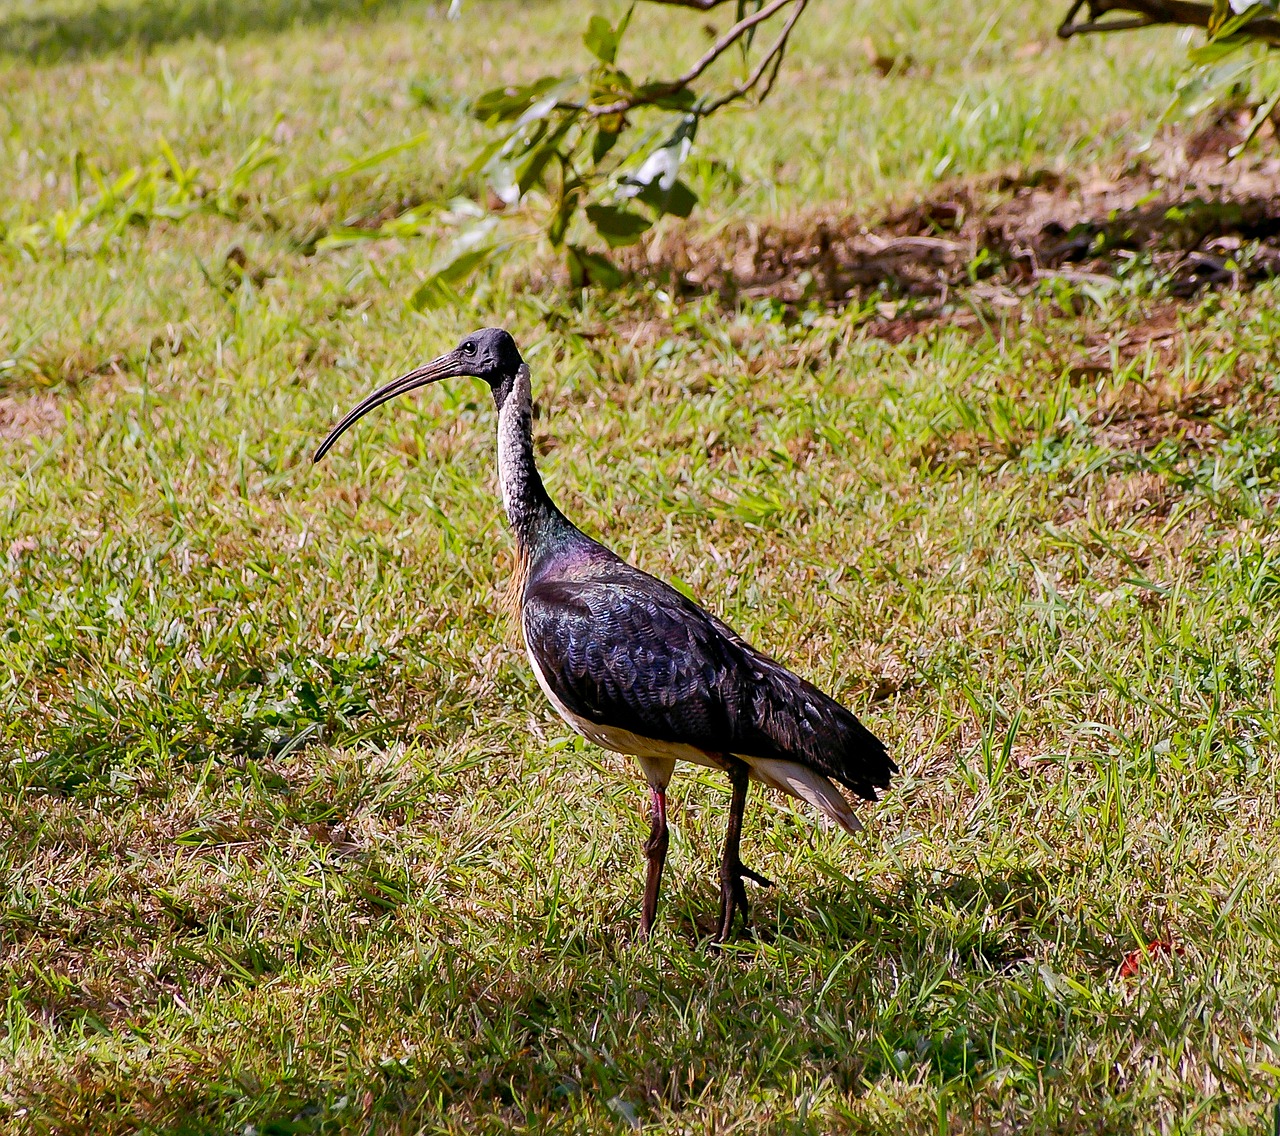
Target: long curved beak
(446, 367)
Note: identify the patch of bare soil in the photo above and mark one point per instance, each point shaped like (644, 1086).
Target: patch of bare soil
(1198, 219)
(32, 399)
(1140, 417)
(39, 416)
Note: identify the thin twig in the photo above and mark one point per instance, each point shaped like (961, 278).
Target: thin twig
(717, 49)
(775, 52)
(1148, 12)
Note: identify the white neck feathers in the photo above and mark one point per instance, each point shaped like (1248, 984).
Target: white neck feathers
(515, 445)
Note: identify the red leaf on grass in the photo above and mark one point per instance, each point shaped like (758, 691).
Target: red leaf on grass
(1133, 960)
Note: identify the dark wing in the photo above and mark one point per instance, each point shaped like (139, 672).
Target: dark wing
(628, 651)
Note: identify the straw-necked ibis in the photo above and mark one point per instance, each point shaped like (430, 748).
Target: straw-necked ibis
(634, 666)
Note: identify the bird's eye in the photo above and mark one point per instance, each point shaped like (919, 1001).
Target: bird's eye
(468, 348)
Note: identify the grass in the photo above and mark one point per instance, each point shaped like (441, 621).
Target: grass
(291, 842)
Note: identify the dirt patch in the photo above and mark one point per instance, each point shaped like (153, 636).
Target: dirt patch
(1136, 494)
(1125, 409)
(57, 366)
(1142, 427)
(1137, 416)
(1199, 220)
(38, 416)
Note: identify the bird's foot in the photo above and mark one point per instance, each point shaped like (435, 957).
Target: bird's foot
(756, 877)
(733, 898)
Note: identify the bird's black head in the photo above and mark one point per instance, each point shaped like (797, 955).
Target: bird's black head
(489, 354)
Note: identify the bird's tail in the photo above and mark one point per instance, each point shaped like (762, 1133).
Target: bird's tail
(811, 787)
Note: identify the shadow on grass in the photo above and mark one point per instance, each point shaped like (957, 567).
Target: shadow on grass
(895, 980)
(854, 987)
(101, 29)
(580, 1031)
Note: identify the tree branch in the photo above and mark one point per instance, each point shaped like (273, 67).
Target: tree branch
(774, 54)
(1149, 12)
(717, 49)
(700, 5)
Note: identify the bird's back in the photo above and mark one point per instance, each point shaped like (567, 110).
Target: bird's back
(621, 648)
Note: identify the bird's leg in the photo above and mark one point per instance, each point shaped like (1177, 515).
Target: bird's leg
(656, 850)
(733, 893)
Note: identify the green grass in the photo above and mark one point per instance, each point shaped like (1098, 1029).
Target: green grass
(289, 838)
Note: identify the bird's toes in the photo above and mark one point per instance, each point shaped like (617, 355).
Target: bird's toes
(725, 933)
(756, 877)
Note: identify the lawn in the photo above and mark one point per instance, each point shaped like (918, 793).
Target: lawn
(290, 840)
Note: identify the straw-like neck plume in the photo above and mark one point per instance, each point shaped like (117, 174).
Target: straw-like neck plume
(533, 516)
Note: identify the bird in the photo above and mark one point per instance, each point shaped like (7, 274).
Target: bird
(636, 667)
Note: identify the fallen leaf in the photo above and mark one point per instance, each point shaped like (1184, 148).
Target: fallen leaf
(1133, 960)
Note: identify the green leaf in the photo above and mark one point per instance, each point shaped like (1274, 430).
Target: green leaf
(435, 292)
(681, 587)
(525, 137)
(1261, 115)
(468, 252)
(602, 143)
(656, 95)
(559, 223)
(1226, 23)
(591, 268)
(437, 289)
(679, 200)
(522, 140)
(618, 226)
(1215, 50)
(664, 161)
(198, 837)
(601, 40)
(656, 182)
(625, 22)
(530, 172)
(505, 103)
(482, 159)
(501, 175)
(746, 41)
(359, 166)
(1207, 85)
(381, 890)
(537, 111)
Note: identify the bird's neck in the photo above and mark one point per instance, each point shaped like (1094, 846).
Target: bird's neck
(534, 519)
